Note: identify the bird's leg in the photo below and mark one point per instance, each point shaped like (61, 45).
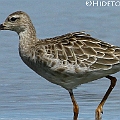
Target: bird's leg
(75, 105)
(100, 106)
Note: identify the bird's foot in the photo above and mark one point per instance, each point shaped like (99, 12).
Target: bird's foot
(98, 112)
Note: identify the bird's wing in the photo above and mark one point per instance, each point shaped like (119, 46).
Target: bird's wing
(81, 49)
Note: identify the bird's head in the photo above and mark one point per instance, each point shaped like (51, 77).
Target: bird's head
(17, 21)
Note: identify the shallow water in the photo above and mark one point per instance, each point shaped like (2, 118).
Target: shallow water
(26, 96)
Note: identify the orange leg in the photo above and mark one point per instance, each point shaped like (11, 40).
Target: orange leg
(75, 105)
(99, 109)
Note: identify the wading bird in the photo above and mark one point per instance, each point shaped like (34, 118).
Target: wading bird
(67, 60)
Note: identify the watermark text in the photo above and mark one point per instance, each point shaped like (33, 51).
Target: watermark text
(102, 3)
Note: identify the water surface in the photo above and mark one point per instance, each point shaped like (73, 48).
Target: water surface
(25, 95)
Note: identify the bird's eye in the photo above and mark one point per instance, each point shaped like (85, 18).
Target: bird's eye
(13, 19)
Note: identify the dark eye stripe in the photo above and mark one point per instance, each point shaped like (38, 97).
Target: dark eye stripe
(13, 19)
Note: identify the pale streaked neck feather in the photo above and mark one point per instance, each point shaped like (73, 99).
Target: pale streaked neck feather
(27, 38)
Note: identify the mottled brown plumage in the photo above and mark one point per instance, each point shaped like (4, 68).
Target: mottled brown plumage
(81, 49)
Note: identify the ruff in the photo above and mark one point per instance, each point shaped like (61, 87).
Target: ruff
(68, 60)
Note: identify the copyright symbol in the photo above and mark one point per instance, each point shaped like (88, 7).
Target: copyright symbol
(88, 3)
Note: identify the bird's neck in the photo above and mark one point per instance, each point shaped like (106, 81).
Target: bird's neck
(27, 38)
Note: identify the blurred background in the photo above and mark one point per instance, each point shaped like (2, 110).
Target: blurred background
(25, 95)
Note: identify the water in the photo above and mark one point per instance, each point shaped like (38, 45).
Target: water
(26, 96)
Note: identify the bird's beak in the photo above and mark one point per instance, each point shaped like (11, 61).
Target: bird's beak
(2, 27)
